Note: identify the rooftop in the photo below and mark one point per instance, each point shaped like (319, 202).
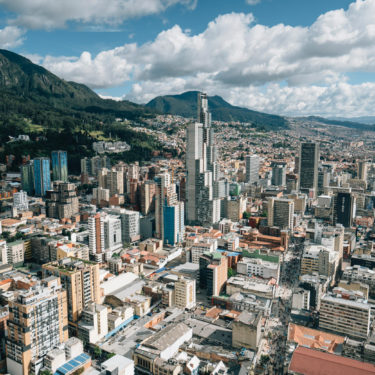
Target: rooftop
(313, 362)
(166, 337)
(315, 339)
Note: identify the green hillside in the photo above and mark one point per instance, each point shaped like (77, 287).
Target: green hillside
(186, 105)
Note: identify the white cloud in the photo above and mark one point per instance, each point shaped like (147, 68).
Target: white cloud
(280, 69)
(51, 14)
(336, 99)
(252, 2)
(108, 68)
(339, 98)
(11, 36)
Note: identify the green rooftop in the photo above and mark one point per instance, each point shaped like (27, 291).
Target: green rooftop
(257, 255)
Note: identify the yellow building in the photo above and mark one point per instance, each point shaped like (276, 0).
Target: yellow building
(80, 279)
(37, 323)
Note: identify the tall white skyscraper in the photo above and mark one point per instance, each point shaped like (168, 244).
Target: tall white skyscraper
(104, 235)
(202, 207)
(252, 168)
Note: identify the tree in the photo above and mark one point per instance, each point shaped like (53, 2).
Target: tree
(246, 215)
(6, 235)
(264, 359)
(97, 352)
(231, 272)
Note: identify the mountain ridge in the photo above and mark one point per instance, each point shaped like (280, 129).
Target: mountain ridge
(30, 90)
(185, 105)
(20, 77)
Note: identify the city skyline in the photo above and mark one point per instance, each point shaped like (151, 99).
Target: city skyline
(190, 235)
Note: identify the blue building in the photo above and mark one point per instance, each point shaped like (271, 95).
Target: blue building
(42, 177)
(60, 166)
(174, 224)
(27, 178)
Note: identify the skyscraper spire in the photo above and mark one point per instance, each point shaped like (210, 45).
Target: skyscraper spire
(202, 207)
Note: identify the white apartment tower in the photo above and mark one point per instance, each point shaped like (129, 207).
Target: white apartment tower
(130, 229)
(104, 235)
(184, 293)
(112, 233)
(20, 201)
(202, 207)
(252, 168)
(96, 236)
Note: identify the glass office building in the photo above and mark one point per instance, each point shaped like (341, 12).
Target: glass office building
(60, 166)
(42, 178)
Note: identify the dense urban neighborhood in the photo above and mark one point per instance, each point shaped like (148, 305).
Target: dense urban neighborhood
(187, 187)
(239, 251)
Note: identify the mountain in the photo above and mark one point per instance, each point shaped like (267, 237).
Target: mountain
(369, 120)
(21, 80)
(57, 114)
(186, 105)
(346, 123)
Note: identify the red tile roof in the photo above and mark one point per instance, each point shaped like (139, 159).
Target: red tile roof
(314, 339)
(313, 362)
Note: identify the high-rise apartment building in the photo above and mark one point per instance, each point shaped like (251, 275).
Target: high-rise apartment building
(213, 272)
(42, 176)
(165, 196)
(252, 168)
(20, 201)
(148, 193)
(37, 323)
(81, 281)
(27, 178)
(16, 253)
(345, 208)
(63, 201)
(174, 223)
(279, 174)
(202, 206)
(112, 233)
(100, 196)
(308, 167)
(111, 179)
(234, 207)
(91, 166)
(344, 316)
(362, 170)
(184, 293)
(280, 213)
(130, 230)
(59, 166)
(96, 236)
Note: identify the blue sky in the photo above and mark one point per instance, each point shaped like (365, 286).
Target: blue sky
(293, 57)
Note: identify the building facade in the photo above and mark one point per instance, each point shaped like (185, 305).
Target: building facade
(184, 293)
(59, 166)
(42, 176)
(281, 213)
(174, 223)
(37, 322)
(346, 317)
(308, 167)
(81, 281)
(252, 168)
(202, 206)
